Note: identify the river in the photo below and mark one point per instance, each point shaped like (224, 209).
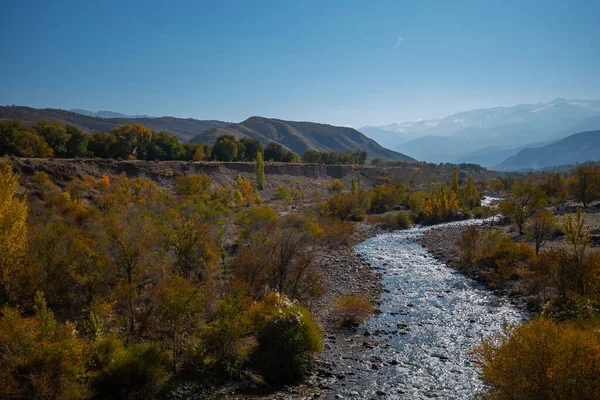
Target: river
(431, 317)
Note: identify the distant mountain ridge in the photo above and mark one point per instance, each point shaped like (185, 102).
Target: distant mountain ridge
(463, 137)
(301, 136)
(107, 114)
(183, 128)
(578, 148)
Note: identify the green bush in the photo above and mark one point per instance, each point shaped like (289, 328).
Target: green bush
(395, 220)
(287, 338)
(137, 372)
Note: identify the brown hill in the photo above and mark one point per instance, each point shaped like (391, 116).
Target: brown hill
(183, 128)
(301, 136)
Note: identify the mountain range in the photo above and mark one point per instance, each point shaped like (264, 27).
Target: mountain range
(302, 136)
(488, 136)
(577, 148)
(106, 114)
(183, 128)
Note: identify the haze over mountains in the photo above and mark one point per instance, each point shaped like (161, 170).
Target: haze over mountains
(106, 114)
(489, 136)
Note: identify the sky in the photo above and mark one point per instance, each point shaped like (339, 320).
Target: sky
(344, 62)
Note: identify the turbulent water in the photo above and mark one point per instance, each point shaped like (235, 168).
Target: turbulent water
(431, 317)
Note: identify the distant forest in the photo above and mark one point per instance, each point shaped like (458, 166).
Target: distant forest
(135, 142)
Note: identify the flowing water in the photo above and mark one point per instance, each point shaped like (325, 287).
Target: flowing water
(431, 317)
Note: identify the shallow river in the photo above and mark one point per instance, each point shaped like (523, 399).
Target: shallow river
(431, 317)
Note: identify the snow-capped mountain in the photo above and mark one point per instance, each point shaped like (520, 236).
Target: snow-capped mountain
(462, 136)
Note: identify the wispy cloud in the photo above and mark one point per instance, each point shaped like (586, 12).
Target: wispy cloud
(399, 41)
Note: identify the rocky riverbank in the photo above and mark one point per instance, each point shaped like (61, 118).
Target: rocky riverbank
(441, 242)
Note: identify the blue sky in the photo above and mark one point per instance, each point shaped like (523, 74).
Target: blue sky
(340, 62)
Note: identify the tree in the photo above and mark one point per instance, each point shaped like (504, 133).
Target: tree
(76, 146)
(132, 141)
(311, 156)
(225, 149)
(13, 229)
(523, 203)
(251, 148)
(164, 146)
(541, 229)
(585, 184)
(574, 266)
(56, 136)
(259, 170)
(454, 186)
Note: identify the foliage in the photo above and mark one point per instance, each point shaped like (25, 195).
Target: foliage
(541, 229)
(40, 358)
(358, 157)
(352, 309)
(276, 152)
(287, 338)
(584, 184)
(345, 206)
(522, 204)
(493, 253)
(393, 220)
(337, 186)
(283, 194)
(259, 171)
(136, 372)
(541, 359)
(13, 230)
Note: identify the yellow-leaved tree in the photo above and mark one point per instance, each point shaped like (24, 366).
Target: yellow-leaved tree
(13, 229)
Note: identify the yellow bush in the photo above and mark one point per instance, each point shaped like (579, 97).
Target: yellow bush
(541, 359)
(352, 309)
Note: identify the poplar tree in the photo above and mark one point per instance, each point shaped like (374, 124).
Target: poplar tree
(259, 170)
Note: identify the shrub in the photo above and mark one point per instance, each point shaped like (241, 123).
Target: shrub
(352, 309)
(541, 359)
(283, 194)
(346, 207)
(337, 186)
(40, 358)
(395, 220)
(287, 336)
(137, 372)
(336, 232)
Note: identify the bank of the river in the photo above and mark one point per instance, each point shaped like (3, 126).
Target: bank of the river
(441, 242)
(342, 273)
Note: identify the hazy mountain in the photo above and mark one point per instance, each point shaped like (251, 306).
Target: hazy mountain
(183, 128)
(577, 148)
(506, 128)
(106, 114)
(300, 136)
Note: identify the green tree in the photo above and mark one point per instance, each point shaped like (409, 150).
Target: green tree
(259, 170)
(76, 146)
(225, 149)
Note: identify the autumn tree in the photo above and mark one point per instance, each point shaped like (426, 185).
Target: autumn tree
(259, 170)
(585, 184)
(522, 204)
(13, 229)
(132, 141)
(540, 229)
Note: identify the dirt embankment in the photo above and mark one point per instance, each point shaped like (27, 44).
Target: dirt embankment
(304, 177)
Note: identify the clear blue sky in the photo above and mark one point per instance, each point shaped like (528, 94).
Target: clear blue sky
(341, 62)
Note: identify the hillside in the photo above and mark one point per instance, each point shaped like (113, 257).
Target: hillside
(183, 128)
(577, 148)
(301, 136)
